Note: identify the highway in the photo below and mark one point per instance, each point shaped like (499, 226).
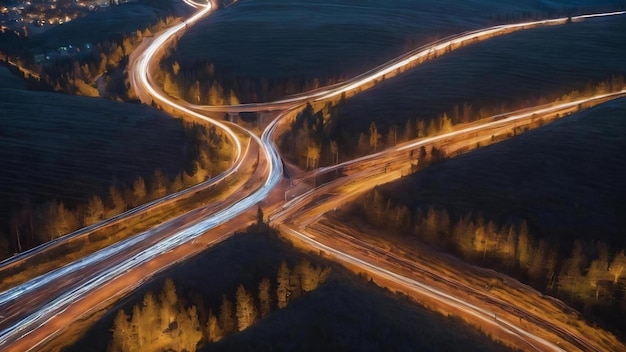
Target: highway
(139, 65)
(497, 124)
(56, 303)
(90, 272)
(398, 65)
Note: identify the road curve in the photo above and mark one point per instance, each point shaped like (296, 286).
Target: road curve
(274, 168)
(37, 319)
(394, 66)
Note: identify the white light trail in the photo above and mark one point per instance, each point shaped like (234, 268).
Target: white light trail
(404, 61)
(39, 317)
(141, 77)
(476, 311)
(514, 117)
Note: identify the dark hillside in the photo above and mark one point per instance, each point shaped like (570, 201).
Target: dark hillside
(346, 313)
(267, 49)
(567, 179)
(501, 74)
(69, 148)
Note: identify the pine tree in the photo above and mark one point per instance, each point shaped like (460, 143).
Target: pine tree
(617, 266)
(159, 184)
(432, 128)
(599, 271)
(536, 269)
(246, 309)
(429, 227)
(571, 271)
(295, 285)
(265, 297)
(151, 319)
(523, 246)
(188, 333)
(122, 333)
(233, 98)
(169, 300)
(119, 205)
(214, 332)
(420, 128)
(94, 211)
(175, 68)
(308, 277)
(509, 248)
(282, 285)
(226, 319)
(139, 190)
(137, 327)
(169, 86)
(446, 124)
(409, 130)
(334, 149)
(176, 184)
(374, 136)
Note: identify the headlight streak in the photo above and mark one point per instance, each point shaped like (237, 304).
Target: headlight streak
(63, 301)
(476, 311)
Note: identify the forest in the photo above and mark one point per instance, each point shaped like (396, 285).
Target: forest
(99, 69)
(345, 311)
(37, 220)
(166, 322)
(324, 137)
(588, 275)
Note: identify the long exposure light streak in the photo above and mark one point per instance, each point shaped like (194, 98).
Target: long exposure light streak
(141, 77)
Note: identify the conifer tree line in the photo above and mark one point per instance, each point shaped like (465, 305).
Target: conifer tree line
(324, 137)
(589, 275)
(207, 152)
(167, 322)
(199, 81)
(77, 74)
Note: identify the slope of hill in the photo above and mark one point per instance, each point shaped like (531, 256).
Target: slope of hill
(567, 179)
(69, 148)
(501, 74)
(9, 80)
(109, 23)
(289, 45)
(344, 313)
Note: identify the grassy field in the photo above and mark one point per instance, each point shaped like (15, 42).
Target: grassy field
(274, 40)
(567, 179)
(345, 313)
(502, 73)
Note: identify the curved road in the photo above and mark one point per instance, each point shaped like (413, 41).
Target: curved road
(178, 232)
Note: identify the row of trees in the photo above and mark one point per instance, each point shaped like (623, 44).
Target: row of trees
(319, 138)
(291, 283)
(105, 61)
(199, 82)
(326, 136)
(166, 322)
(207, 154)
(591, 273)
